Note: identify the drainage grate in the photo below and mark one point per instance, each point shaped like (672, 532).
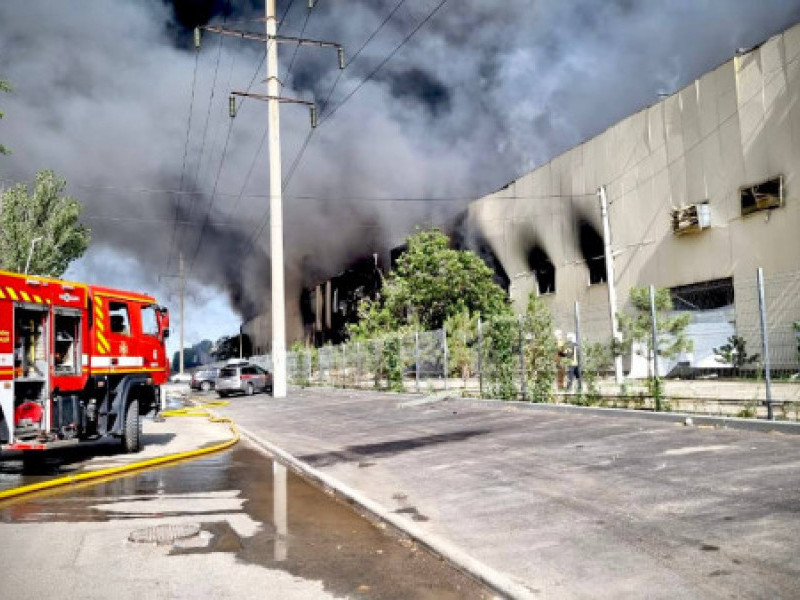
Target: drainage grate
(163, 534)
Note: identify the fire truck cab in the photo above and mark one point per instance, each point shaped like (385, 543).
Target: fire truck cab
(77, 362)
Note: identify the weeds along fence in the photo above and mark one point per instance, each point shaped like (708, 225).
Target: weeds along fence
(710, 353)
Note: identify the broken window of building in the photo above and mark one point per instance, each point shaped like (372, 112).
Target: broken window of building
(593, 252)
(704, 295)
(543, 269)
(762, 196)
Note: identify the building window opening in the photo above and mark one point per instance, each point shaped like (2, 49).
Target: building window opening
(119, 318)
(705, 295)
(543, 269)
(762, 196)
(593, 252)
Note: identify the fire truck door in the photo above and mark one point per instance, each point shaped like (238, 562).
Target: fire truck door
(31, 358)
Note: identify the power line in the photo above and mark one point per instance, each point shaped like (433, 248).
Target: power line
(205, 127)
(327, 117)
(219, 171)
(384, 61)
(258, 150)
(185, 154)
(461, 198)
(296, 162)
(211, 200)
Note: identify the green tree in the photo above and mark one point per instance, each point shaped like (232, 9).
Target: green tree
(461, 332)
(734, 353)
(4, 87)
(46, 213)
(670, 328)
(431, 283)
(540, 349)
(502, 356)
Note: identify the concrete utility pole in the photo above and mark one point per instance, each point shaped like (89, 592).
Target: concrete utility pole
(612, 292)
(275, 209)
(182, 276)
(273, 99)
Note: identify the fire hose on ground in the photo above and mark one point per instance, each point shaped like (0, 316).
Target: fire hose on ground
(199, 410)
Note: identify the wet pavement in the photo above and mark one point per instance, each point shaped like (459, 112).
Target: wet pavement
(258, 523)
(172, 435)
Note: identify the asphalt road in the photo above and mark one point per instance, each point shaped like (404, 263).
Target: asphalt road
(571, 504)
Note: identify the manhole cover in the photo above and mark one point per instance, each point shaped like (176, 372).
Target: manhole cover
(163, 534)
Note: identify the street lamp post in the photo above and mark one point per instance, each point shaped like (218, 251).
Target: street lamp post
(30, 252)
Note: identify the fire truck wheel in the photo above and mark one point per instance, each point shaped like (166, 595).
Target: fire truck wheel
(132, 438)
(205, 386)
(250, 390)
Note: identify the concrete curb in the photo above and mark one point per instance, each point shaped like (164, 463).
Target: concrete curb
(494, 579)
(792, 428)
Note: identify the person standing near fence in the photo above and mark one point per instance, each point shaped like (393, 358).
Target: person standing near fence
(561, 358)
(573, 370)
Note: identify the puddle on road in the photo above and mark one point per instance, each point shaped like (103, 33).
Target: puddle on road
(304, 531)
(36, 467)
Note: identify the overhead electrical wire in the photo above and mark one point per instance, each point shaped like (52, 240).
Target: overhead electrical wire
(307, 141)
(185, 154)
(205, 127)
(464, 198)
(224, 153)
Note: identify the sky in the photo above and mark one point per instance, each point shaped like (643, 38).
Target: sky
(440, 103)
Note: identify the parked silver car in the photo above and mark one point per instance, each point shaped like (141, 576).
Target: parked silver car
(244, 379)
(204, 379)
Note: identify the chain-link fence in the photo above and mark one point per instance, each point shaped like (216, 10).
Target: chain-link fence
(709, 353)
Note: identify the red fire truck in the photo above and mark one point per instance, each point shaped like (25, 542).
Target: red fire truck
(77, 362)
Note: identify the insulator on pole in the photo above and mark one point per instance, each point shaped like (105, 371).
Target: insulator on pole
(232, 105)
(311, 4)
(313, 110)
(340, 51)
(197, 38)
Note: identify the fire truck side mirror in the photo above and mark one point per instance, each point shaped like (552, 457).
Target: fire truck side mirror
(166, 333)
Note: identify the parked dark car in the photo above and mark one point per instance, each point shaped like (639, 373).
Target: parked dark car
(245, 379)
(204, 379)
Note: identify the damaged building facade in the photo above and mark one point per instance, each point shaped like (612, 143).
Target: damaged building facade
(702, 189)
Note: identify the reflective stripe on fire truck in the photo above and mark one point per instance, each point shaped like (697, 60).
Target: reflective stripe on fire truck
(102, 343)
(12, 293)
(122, 362)
(6, 360)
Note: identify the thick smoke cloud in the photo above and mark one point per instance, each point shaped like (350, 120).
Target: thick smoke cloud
(482, 93)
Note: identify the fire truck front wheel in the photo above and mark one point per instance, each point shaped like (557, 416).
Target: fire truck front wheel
(132, 437)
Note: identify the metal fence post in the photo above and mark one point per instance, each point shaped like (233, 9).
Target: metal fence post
(654, 344)
(319, 366)
(444, 349)
(480, 358)
(762, 309)
(358, 364)
(416, 360)
(309, 358)
(523, 377)
(578, 347)
(344, 365)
